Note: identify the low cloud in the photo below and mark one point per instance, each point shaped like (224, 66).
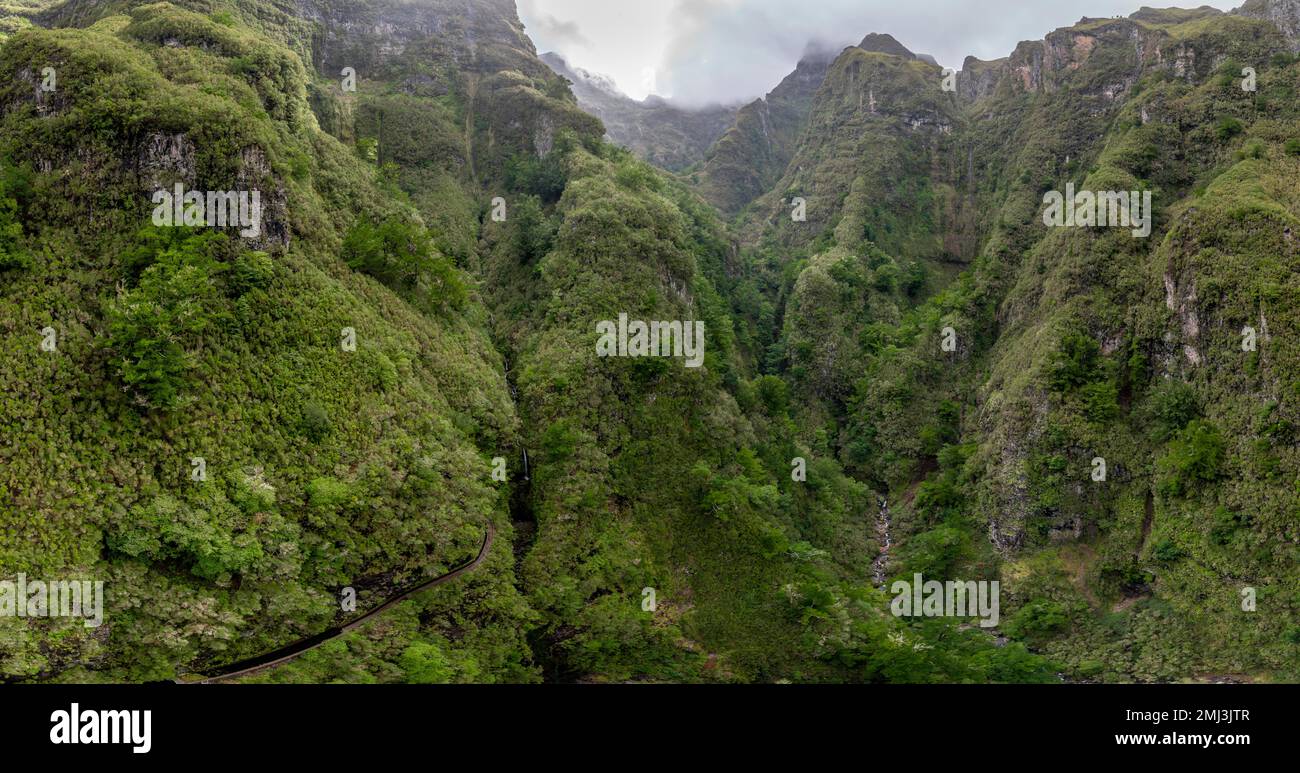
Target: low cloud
(565, 33)
(550, 33)
(714, 51)
(729, 49)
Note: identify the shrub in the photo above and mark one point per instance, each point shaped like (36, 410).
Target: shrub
(1254, 149)
(938, 498)
(1196, 454)
(886, 278)
(1037, 620)
(383, 372)
(1074, 363)
(1227, 128)
(316, 423)
(934, 553)
(148, 327)
(541, 177)
(637, 176)
(533, 232)
(251, 270)
(1170, 407)
(774, 394)
(368, 149)
(328, 493)
(1167, 552)
(1100, 402)
(200, 536)
(424, 663)
(1226, 524)
(11, 232)
(914, 279)
(400, 254)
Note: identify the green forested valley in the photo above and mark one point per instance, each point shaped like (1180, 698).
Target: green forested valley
(251, 439)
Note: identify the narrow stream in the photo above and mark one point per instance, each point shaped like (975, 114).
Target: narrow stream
(886, 540)
(521, 514)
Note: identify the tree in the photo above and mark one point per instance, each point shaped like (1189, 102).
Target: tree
(1172, 404)
(12, 255)
(1195, 455)
(533, 232)
(150, 326)
(14, 186)
(1037, 620)
(541, 177)
(1074, 363)
(1100, 401)
(401, 254)
(424, 663)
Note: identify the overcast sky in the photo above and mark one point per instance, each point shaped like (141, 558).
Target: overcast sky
(701, 51)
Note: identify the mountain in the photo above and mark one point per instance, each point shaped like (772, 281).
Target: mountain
(253, 433)
(1095, 427)
(878, 43)
(756, 150)
(225, 464)
(669, 137)
(403, 349)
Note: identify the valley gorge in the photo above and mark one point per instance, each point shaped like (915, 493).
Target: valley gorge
(905, 368)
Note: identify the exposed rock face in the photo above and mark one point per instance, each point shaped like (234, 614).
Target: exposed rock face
(474, 50)
(163, 160)
(665, 135)
(390, 36)
(1284, 14)
(978, 78)
(1046, 65)
(1182, 302)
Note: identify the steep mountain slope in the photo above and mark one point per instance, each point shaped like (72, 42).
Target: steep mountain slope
(654, 130)
(1100, 356)
(17, 15)
(1280, 13)
(876, 209)
(197, 437)
(1103, 422)
(1070, 344)
(755, 152)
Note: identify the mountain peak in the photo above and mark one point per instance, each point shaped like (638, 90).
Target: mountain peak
(885, 44)
(819, 52)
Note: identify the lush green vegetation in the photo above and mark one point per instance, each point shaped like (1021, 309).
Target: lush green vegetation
(1096, 438)
(1074, 348)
